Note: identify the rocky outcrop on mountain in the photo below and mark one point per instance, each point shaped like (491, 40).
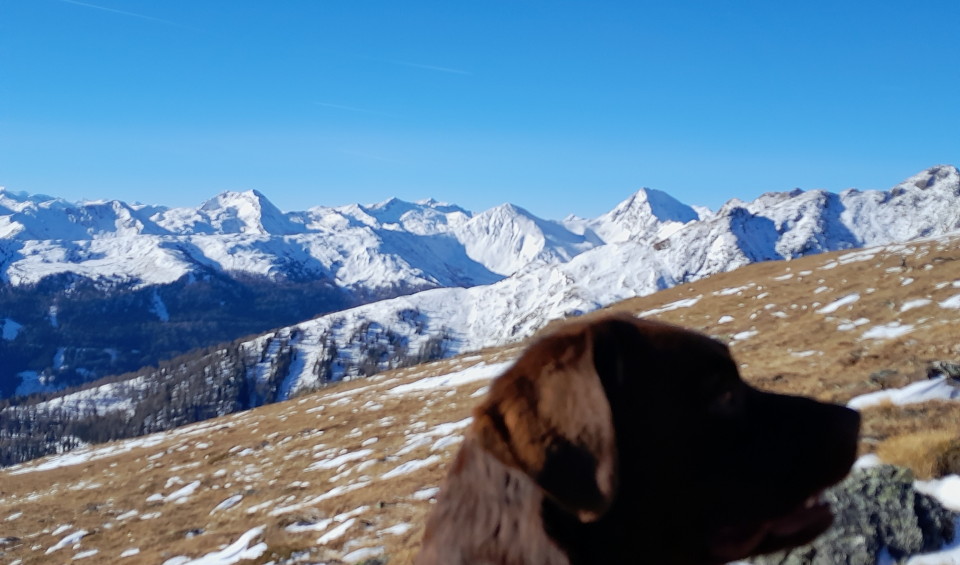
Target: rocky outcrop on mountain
(880, 518)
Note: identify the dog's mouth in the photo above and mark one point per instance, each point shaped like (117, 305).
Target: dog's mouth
(796, 527)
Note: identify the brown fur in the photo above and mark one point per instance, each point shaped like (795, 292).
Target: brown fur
(621, 440)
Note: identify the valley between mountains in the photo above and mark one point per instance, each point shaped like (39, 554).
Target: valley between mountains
(345, 474)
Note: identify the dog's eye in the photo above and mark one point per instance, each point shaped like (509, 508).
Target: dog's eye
(725, 403)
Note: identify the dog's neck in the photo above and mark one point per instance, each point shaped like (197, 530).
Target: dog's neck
(487, 514)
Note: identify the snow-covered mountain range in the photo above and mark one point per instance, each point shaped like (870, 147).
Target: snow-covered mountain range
(429, 244)
(69, 259)
(674, 244)
(371, 248)
(490, 278)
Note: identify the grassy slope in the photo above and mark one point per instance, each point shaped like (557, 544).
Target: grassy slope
(266, 454)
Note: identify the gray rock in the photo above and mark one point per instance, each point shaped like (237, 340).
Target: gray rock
(877, 511)
(948, 368)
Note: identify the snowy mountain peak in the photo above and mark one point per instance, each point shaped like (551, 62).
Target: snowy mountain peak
(442, 206)
(391, 203)
(248, 212)
(507, 238)
(17, 201)
(507, 211)
(396, 211)
(646, 215)
(657, 203)
(251, 200)
(39, 217)
(940, 177)
(423, 218)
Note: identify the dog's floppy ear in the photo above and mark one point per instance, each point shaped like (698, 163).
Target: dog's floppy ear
(549, 416)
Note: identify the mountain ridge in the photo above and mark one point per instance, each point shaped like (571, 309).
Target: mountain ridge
(453, 280)
(647, 214)
(795, 225)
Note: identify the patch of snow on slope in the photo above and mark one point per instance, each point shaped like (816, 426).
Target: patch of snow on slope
(239, 550)
(685, 303)
(361, 555)
(336, 533)
(182, 495)
(339, 460)
(732, 290)
(426, 493)
(857, 256)
(447, 432)
(111, 397)
(850, 325)
(839, 303)
(478, 372)
(940, 388)
(911, 304)
(411, 466)
(888, 331)
(953, 302)
(397, 530)
(744, 335)
(70, 539)
(159, 308)
(228, 503)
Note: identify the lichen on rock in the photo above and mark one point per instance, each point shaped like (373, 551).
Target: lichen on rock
(878, 512)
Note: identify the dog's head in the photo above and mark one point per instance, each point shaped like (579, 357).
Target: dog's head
(646, 441)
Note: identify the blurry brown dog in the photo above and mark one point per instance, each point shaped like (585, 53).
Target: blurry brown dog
(623, 440)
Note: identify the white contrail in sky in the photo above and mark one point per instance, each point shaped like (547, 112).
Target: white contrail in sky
(416, 65)
(122, 12)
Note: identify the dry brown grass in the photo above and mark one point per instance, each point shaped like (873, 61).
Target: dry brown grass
(268, 455)
(929, 453)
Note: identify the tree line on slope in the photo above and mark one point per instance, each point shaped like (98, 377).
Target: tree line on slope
(197, 386)
(72, 330)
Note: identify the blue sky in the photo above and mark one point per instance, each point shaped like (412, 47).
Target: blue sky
(558, 106)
